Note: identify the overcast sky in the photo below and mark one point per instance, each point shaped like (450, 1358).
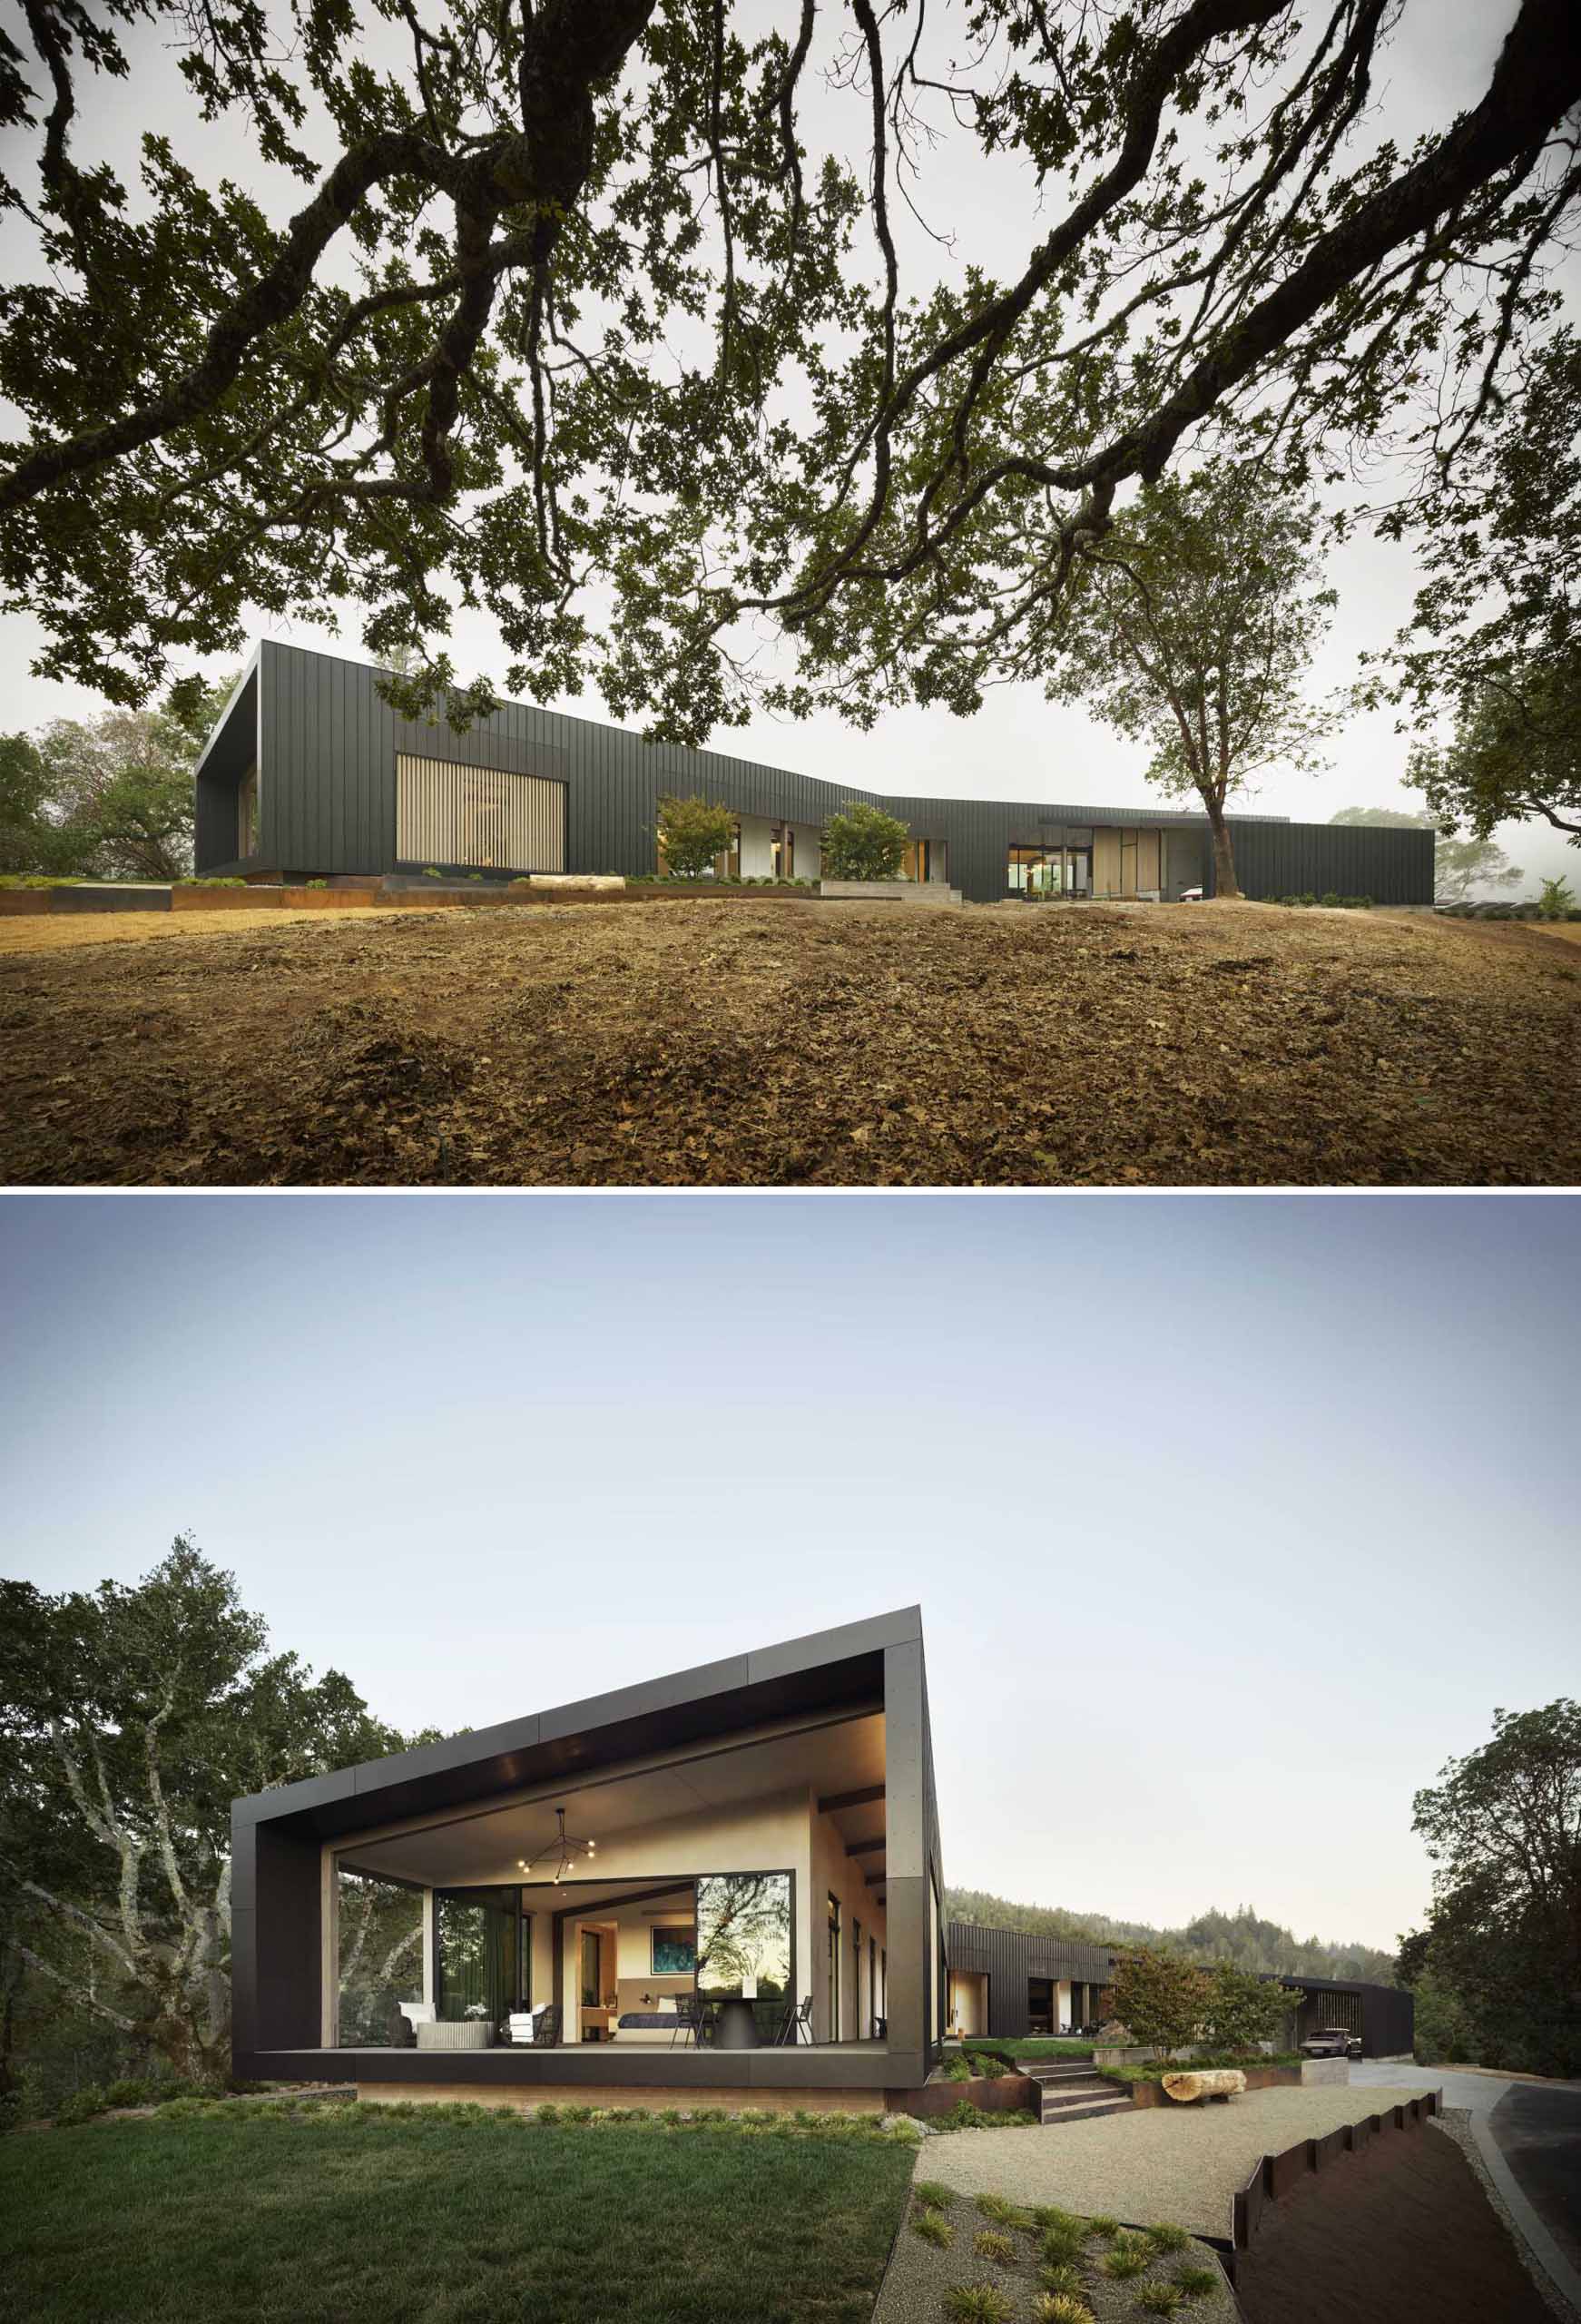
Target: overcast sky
(1018, 745)
(1229, 1518)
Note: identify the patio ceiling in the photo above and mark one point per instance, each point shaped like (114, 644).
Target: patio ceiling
(842, 1760)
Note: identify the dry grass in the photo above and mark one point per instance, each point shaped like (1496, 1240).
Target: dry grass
(718, 1044)
(71, 931)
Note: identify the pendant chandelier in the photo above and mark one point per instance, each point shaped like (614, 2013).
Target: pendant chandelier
(562, 1851)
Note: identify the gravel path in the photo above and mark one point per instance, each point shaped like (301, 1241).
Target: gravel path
(1182, 2164)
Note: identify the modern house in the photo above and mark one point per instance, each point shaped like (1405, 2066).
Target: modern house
(309, 773)
(1004, 1982)
(753, 1844)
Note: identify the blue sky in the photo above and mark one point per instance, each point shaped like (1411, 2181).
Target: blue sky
(1229, 1517)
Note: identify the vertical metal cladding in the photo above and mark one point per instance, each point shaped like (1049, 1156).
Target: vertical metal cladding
(448, 814)
(329, 745)
(1388, 866)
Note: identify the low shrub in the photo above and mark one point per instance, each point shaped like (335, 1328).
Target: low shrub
(1005, 2213)
(1165, 2236)
(979, 2304)
(1196, 2283)
(1126, 2256)
(934, 2228)
(1160, 2299)
(126, 2092)
(81, 2106)
(1062, 2308)
(1103, 2226)
(986, 2062)
(37, 879)
(1066, 2278)
(318, 883)
(195, 882)
(992, 2243)
(933, 2195)
(1061, 2246)
(955, 2070)
(965, 2116)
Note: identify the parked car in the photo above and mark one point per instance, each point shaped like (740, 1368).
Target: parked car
(1332, 2042)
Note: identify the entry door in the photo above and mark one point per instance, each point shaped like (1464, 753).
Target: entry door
(1040, 2004)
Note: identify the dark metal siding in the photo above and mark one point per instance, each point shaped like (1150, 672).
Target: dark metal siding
(328, 794)
(1392, 867)
(1386, 2014)
(1011, 1959)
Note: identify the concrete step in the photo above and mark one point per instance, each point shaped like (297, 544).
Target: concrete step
(1082, 2110)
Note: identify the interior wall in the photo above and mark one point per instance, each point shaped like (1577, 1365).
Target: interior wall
(769, 1835)
(834, 1874)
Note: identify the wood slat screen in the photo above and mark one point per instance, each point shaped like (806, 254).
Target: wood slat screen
(447, 813)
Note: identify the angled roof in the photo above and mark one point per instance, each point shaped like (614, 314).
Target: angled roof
(840, 1669)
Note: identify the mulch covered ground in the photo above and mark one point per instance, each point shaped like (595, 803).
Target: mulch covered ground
(1401, 2233)
(757, 1044)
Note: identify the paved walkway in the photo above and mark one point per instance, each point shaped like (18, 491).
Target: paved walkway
(1182, 2164)
(1528, 2133)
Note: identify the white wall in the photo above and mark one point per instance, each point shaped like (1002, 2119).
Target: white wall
(757, 861)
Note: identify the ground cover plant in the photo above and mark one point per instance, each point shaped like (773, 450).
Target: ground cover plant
(787, 1044)
(204, 2210)
(1051, 2266)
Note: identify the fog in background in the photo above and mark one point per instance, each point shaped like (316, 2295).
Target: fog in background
(1229, 1518)
(1018, 745)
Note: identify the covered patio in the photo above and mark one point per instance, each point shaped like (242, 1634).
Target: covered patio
(699, 1900)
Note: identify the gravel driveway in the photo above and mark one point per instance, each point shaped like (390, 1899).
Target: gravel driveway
(1183, 2164)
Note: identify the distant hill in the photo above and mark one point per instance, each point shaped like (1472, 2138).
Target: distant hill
(1242, 1936)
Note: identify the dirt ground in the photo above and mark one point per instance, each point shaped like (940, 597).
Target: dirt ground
(719, 1044)
(1395, 2234)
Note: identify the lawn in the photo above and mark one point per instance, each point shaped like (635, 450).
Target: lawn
(351, 2212)
(797, 1044)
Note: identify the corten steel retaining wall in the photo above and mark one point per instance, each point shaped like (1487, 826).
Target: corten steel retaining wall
(326, 743)
(1005, 2093)
(1276, 2174)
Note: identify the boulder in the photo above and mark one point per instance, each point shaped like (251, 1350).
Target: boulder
(1218, 2082)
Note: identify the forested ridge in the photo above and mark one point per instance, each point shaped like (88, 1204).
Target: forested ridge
(1242, 1938)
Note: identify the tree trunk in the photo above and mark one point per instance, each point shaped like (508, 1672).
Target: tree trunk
(1225, 885)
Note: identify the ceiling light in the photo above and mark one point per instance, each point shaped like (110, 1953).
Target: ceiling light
(561, 1852)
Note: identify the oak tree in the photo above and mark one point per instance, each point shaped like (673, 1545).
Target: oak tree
(569, 312)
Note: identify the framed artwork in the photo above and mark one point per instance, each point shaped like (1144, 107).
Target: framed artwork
(675, 1950)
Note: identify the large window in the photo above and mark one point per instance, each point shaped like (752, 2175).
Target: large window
(745, 1929)
(380, 1931)
(477, 1934)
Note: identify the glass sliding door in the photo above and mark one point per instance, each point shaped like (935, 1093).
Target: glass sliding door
(380, 1940)
(744, 1943)
(478, 1945)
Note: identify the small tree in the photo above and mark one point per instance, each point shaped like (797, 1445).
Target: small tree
(693, 834)
(1244, 2009)
(862, 843)
(1160, 1999)
(1557, 899)
(1193, 628)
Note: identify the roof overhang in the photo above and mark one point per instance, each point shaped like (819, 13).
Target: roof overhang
(838, 1671)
